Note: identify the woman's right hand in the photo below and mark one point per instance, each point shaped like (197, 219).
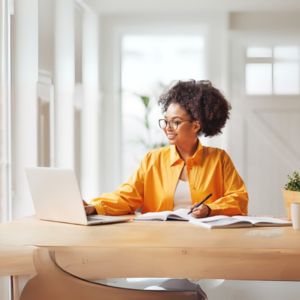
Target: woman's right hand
(89, 209)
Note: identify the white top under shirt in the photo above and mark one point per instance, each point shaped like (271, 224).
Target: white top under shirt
(182, 196)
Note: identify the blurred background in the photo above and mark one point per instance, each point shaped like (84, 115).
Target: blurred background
(80, 80)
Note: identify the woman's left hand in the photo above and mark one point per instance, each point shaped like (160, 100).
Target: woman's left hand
(201, 212)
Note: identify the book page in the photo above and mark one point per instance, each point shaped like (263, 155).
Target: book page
(224, 222)
(239, 222)
(213, 218)
(153, 216)
(210, 220)
(179, 214)
(263, 221)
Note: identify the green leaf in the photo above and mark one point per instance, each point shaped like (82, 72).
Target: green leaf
(293, 183)
(145, 100)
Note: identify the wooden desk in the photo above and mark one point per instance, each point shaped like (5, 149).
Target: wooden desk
(156, 249)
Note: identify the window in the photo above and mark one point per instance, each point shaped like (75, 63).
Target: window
(149, 64)
(272, 70)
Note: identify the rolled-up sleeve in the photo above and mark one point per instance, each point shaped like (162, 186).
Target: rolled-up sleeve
(235, 197)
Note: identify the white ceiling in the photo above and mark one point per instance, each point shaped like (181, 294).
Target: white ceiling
(190, 6)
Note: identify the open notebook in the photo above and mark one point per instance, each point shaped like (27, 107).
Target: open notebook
(180, 214)
(213, 222)
(239, 221)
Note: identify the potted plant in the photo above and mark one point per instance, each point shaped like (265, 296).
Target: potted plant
(291, 192)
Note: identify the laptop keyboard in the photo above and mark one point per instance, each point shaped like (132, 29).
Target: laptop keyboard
(107, 218)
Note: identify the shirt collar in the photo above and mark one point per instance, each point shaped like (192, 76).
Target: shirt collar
(195, 159)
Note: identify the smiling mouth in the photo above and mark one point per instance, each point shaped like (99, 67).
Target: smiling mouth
(171, 136)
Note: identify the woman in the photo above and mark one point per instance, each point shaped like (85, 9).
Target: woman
(182, 174)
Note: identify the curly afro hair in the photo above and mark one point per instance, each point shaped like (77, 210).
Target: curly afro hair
(202, 101)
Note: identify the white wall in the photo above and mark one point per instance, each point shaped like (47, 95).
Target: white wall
(64, 83)
(91, 107)
(25, 76)
(3, 117)
(73, 63)
(4, 164)
(4, 281)
(264, 129)
(46, 35)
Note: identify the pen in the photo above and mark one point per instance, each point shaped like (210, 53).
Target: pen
(198, 204)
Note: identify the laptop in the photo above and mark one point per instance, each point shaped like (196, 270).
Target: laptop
(56, 197)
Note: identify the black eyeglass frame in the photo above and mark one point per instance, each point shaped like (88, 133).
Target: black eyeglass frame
(173, 124)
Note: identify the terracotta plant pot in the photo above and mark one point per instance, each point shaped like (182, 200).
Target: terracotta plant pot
(290, 197)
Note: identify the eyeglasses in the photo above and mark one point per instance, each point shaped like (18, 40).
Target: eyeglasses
(163, 124)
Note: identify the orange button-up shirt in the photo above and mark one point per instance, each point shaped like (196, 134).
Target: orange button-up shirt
(153, 184)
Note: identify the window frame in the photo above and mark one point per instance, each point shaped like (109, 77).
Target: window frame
(269, 60)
